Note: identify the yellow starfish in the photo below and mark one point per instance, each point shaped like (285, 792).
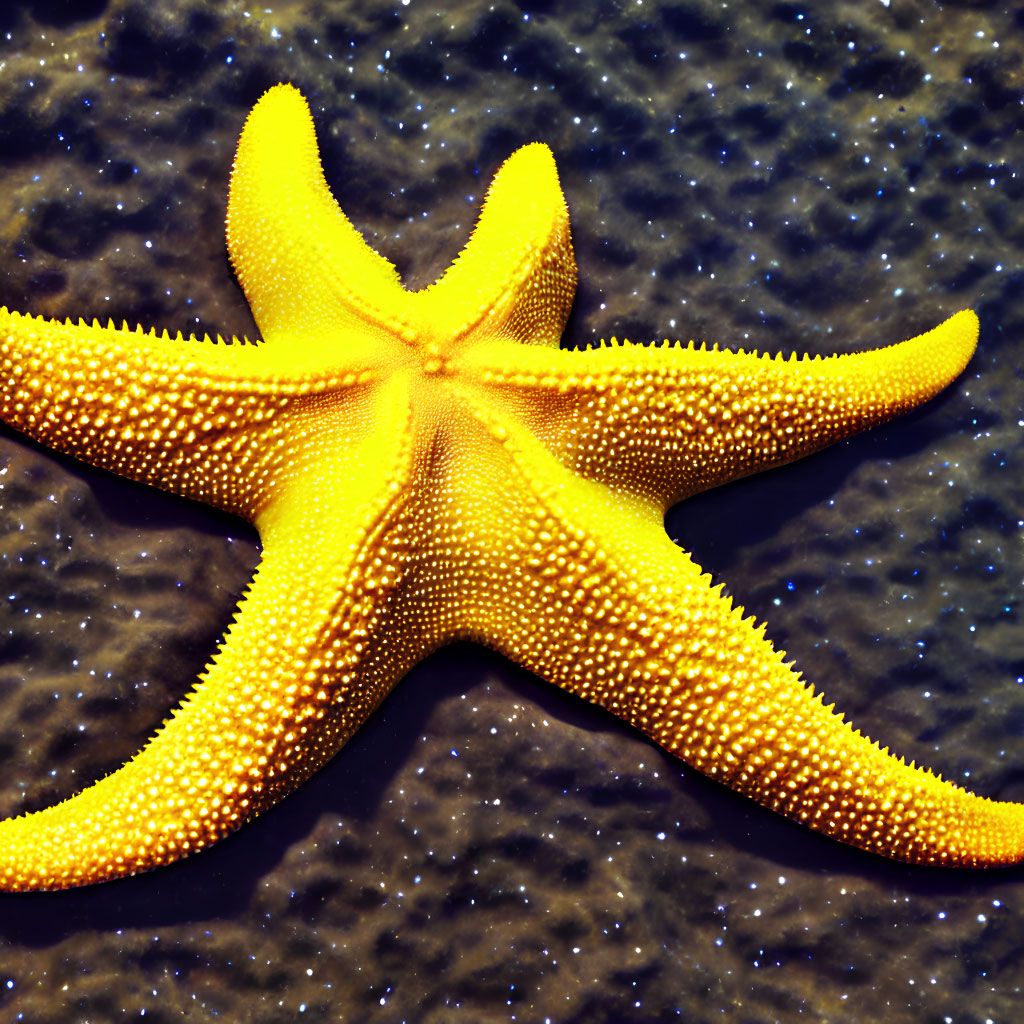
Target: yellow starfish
(430, 466)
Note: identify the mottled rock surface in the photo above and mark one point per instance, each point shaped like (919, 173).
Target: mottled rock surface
(776, 176)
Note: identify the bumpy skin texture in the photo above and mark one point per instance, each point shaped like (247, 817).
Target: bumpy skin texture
(430, 466)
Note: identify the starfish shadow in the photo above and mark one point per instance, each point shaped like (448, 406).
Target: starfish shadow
(220, 883)
(714, 525)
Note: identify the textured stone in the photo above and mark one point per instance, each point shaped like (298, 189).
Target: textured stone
(918, 521)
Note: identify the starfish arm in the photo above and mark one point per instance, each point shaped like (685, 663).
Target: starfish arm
(684, 666)
(173, 412)
(321, 636)
(622, 617)
(299, 260)
(661, 424)
(516, 277)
